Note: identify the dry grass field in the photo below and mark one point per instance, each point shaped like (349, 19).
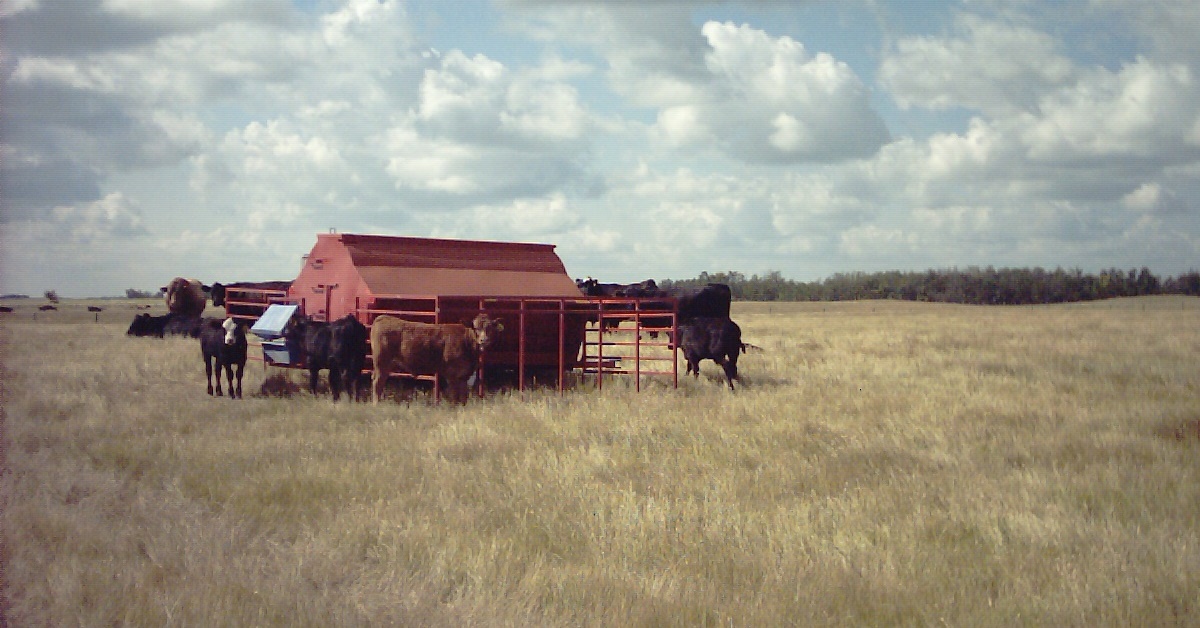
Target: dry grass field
(885, 464)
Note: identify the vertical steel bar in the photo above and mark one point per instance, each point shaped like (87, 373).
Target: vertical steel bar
(675, 344)
(521, 348)
(637, 345)
(600, 349)
(437, 377)
(562, 342)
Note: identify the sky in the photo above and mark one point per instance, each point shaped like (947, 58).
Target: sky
(142, 140)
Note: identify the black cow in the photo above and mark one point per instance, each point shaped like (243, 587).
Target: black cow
(147, 325)
(593, 288)
(46, 308)
(711, 338)
(167, 324)
(95, 308)
(713, 300)
(223, 345)
(5, 308)
(340, 347)
(642, 289)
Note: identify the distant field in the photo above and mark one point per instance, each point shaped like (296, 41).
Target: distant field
(884, 463)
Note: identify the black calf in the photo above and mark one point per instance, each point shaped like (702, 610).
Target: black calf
(340, 347)
(223, 345)
(711, 338)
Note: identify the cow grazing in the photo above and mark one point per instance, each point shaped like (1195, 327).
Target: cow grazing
(47, 308)
(5, 309)
(94, 308)
(445, 350)
(711, 338)
(168, 324)
(184, 296)
(223, 345)
(340, 347)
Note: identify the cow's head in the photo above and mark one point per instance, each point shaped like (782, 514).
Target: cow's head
(231, 328)
(295, 329)
(486, 330)
(587, 286)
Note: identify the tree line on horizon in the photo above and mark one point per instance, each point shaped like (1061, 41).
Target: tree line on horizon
(971, 286)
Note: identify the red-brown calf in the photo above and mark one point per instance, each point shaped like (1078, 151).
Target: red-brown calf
(447, 350)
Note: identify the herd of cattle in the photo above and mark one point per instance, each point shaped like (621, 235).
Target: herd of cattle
(448, 351)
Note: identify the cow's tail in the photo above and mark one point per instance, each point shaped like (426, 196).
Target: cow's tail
(747, 346)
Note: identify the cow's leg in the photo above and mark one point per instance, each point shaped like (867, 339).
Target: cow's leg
(350, 378)
(238, 371)
(229, 379)
(208, 369)
(217, 375)
(335, 381)
(730, 366)
(458, 389)
(313, 374)
(378, 381)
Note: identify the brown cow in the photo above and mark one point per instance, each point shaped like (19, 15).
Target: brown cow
(184, 296)
(449, 351)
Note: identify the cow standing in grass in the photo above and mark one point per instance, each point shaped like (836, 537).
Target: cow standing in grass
(184, 297)
(340, 347)
(223, 345)
(445, 350)
(715, 338)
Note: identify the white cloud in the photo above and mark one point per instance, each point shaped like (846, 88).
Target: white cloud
(1169, 26)
(766, 99)
(815, 206)
(424, 164)
(522, 220)
(1144, 109)
(1154, 198)
(464, 90)
(549, 111)
(681, 126)
(991, 67)
(873, 241)
(111, 216)
(477, 99)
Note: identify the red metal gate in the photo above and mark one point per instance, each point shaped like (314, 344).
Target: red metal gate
(601, 336)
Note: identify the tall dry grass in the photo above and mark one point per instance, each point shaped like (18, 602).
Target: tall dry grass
(885, 463)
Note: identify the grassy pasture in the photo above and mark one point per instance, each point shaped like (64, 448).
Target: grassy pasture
(885, 463)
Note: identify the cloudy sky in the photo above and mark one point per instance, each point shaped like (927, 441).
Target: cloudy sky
(146, 139)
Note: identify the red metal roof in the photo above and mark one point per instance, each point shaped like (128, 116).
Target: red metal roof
(427, 266)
